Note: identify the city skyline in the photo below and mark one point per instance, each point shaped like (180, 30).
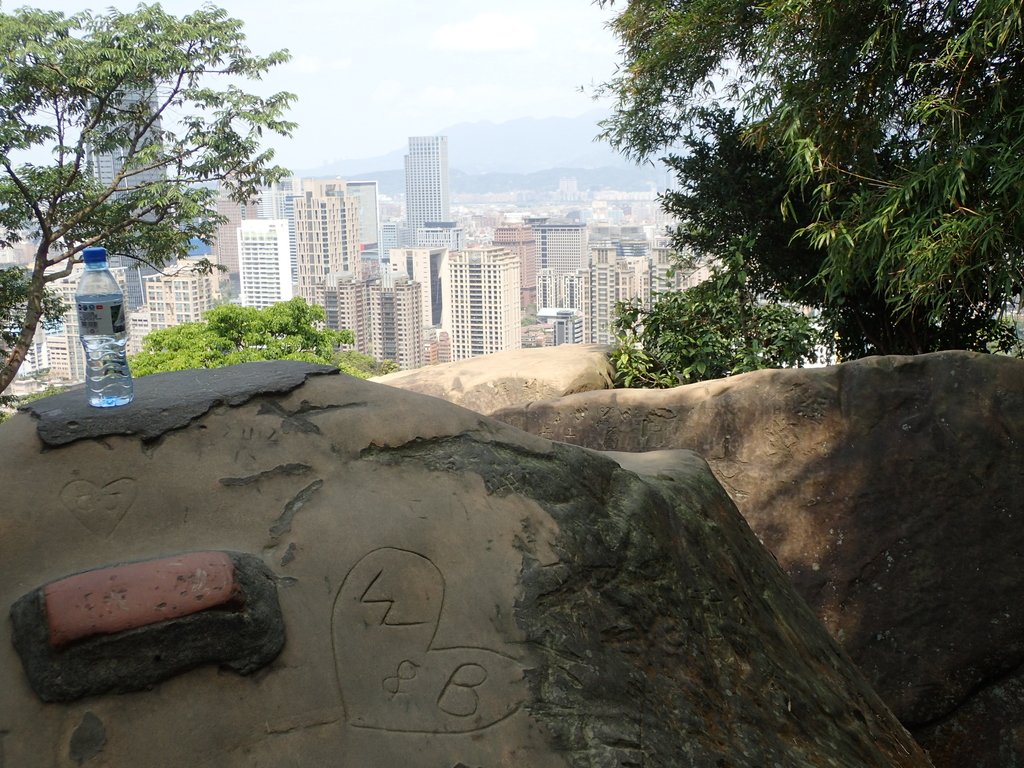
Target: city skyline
(369, 75)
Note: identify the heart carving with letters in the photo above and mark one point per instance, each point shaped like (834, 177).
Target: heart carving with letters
(99, 508)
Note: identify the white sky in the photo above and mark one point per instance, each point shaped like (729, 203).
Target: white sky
(370, 73)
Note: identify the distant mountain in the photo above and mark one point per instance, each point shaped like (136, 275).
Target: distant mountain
(522, 146)
(622, 178)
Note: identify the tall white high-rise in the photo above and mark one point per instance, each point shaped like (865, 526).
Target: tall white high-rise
(264, 262)
(426, 181)
(481, 301)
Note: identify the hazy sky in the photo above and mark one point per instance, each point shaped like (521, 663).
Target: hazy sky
(370, 73)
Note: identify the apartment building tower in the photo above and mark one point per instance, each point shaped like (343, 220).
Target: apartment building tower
(264, 262)
(327, 234)
(182, 295)
(522, 241)
(425, 266)
(608, 280)
(384, 314)
(481, 309)
(562, 252)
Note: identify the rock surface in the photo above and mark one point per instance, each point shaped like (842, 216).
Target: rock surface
(890, 491)
(485, 384)
(455, 592)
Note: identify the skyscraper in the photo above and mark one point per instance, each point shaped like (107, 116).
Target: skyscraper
(225, 247)
(609, 280)
(369, 212)
(425, 266)
(522, 241)
(426, 181)
(327, 233)
(278, 202)
(562, 250)
(481, 301)
(264, 262)
(384, 314)
(112, 168)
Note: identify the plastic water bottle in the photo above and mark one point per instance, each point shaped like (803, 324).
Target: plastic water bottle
(103, 330)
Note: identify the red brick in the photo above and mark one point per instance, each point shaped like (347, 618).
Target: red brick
(111, 600)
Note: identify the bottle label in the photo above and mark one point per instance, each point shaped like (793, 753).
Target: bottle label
(101, 318)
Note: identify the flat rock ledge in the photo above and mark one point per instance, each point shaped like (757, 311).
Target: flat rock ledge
(489, 383)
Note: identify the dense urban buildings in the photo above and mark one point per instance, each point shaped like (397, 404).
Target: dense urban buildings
(418, 280)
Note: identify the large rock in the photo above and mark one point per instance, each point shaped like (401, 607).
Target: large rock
(486, 384)
(890, 491)
(452, 592)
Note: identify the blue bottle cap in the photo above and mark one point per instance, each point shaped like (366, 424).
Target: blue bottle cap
(94, 254)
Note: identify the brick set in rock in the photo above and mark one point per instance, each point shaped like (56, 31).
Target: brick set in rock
(454, 592)
(130, 626)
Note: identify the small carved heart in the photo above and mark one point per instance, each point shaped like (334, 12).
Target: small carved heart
(99, 509)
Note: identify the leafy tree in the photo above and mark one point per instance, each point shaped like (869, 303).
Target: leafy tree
(712, 330)
(891, 128)
(15, 284)
(364, 366)
(141, 85)
(746, 316)
(230, 334)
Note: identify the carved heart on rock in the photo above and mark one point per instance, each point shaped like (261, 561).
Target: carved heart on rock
(99, 508)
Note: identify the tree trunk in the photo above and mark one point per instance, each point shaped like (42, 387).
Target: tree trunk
(15, 356)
